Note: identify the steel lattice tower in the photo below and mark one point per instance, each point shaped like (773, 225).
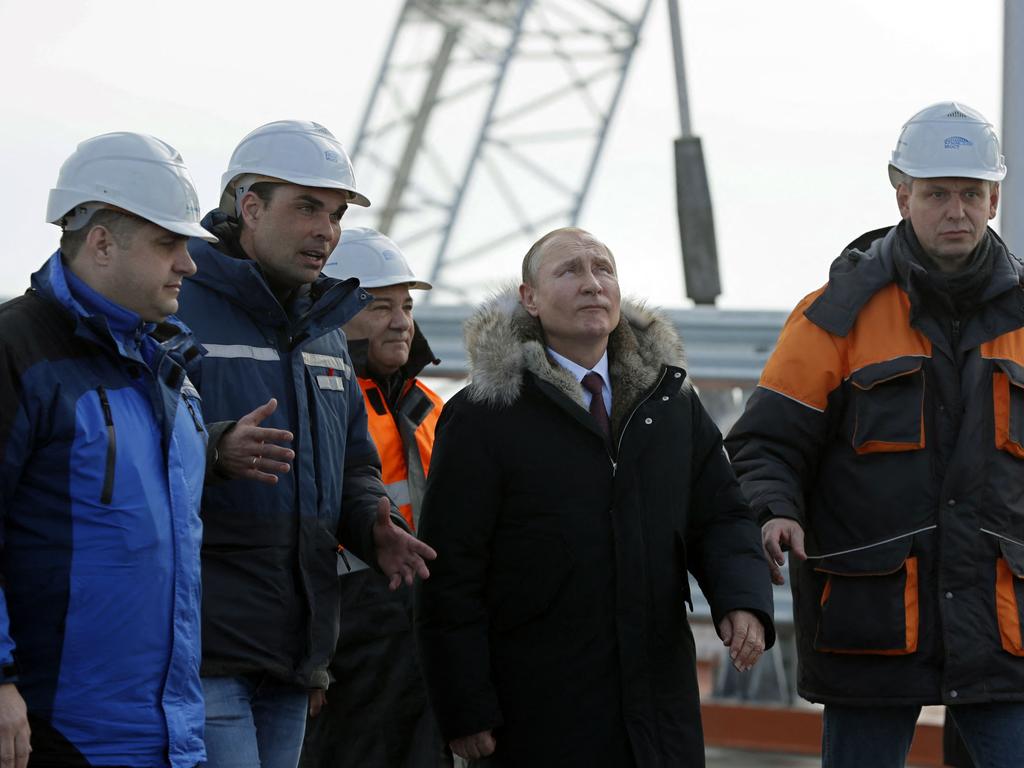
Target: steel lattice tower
(485, 127)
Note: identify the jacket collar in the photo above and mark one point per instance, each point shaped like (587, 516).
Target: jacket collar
(871, 262)
(329, 303)
(505, 345)
(110, 325)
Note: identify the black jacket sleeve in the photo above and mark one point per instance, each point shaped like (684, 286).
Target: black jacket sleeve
(723, 542)
(460, 507)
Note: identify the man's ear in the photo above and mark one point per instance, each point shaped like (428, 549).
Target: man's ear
(903, 200)
(98, 245)
(252, 207)
(527, 297)
(993, 199)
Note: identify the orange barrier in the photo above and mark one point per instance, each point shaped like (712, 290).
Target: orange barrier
(797, 731)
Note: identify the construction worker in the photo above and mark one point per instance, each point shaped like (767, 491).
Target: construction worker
(103, 448)
(884, 449)
(376, 711)
(270, 324)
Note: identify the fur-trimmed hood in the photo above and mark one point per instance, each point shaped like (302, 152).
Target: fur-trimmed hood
(503, 341)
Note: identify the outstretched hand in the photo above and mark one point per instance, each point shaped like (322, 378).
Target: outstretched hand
(400, 555)
(777, 535)
(249, 450)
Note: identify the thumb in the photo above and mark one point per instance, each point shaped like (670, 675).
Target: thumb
(258, 414)
(383, 510)
(725, 629)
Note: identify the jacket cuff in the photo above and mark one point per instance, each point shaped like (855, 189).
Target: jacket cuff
(8, 673)
(780, 509)
(216, 430)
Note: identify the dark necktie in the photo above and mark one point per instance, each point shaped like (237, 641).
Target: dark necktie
(594, 384)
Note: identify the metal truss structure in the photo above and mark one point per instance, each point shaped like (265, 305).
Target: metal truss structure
(485, 127)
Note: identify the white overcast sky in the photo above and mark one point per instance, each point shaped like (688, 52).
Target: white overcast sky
(798, 104)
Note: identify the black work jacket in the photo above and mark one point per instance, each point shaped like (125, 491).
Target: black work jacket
(896, 438)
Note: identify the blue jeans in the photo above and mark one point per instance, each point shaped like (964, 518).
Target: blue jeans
(253, 722)
(879, 737)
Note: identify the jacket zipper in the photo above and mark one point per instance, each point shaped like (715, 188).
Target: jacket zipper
(107, 494)
(192, 411)
(625, 424)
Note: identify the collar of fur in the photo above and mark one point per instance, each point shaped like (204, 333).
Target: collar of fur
(503, 341)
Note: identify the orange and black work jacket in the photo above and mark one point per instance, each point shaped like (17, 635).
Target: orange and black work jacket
(895, 436)
(404, 439)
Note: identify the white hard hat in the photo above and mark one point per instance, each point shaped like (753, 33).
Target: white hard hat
(947, 139)
(297, 151)
(132, 171)
(373, 258)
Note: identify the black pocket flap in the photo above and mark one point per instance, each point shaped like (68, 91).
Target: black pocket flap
(877, 373)
(1013, 371)
(1014, 556)
(875, 560)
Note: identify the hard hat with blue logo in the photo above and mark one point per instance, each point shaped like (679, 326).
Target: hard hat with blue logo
(132, 172)
(947, 139)
(373, 258)
(296, 151)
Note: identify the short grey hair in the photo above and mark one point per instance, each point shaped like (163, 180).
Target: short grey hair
(531, 261)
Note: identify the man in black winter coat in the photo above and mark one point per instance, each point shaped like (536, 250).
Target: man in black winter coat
(572, 486)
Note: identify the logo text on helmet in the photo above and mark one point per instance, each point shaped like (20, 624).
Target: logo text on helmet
(388, 255)
(331, 156)
(955, 142)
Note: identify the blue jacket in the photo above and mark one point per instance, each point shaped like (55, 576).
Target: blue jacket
(270, 559)
(103, 449)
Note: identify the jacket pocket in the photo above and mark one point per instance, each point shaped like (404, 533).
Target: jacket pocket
(1010, 596)
(888, 401)
(107, 493)
(1008, 407)
(532, 573)
(869, 604)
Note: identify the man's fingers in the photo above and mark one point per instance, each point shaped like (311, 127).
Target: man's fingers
(474, 747)
(268, 435)
(772, 548)
(423, 549)
(749, 652)
(487, 744)
(739, 637)
(265, 465)
(796, 542)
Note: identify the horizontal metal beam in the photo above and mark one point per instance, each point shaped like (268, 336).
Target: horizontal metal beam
(723, 346)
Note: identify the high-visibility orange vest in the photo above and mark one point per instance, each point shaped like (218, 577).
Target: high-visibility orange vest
(405, 442)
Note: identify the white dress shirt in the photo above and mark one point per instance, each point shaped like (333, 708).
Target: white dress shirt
(577, 370)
